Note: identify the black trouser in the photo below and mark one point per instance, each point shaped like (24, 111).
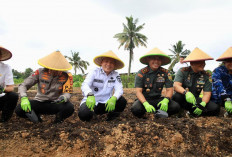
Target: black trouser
(139, 110)
(211, 109)
(62, 111)
(7, 105)
(85, 114)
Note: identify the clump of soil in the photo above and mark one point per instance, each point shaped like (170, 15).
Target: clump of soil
(123, 136)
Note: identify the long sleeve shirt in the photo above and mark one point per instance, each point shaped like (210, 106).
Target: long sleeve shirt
(49, 87)
(6, 76)
(221, 84)
(102, 85)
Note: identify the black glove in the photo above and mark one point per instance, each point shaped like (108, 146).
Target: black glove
(61, 99)
(1, 89)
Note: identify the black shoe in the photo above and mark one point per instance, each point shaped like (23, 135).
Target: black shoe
(112, 116)
(58, 119)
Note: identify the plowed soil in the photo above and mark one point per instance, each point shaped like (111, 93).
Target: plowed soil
(124, 136)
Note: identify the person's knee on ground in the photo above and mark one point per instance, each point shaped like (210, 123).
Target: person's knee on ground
(84, 113)
(138, 109)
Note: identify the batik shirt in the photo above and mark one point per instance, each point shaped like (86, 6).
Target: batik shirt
(222, 84)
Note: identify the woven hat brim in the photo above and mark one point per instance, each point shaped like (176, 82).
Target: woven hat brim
(226, 55)
(4, 54)
(98, 60)
(165, 59)
(55, 61)
(52, 68)
(195, 60)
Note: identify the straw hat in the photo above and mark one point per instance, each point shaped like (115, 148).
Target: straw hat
(197, 55)
(156, 52)
(110, 54)
(226, 55)
(55, 61)
(4, 54)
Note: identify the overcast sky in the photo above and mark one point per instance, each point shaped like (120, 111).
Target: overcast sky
(32, 29)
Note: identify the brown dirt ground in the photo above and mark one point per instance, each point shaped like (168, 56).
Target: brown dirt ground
(124, 136)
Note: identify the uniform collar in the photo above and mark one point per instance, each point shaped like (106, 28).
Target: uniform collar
(103, 72)
(151, 71)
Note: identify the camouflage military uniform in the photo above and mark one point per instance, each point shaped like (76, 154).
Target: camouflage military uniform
(222, 85)
(195, 83)
(152, 83)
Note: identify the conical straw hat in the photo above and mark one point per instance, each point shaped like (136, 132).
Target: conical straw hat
(55, 61)
(197, 55)
(156, 52)
(226, 55)
(4, 54)
(110, 54)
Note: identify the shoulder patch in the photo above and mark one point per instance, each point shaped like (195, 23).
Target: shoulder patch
(36, 73)
(145, 70)
(68, 86)
(140, 75)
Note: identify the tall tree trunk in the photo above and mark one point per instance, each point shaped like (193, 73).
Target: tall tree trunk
(173, 64)
(129, 68)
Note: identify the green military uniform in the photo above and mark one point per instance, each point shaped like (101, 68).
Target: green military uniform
(153, 82)
(194, 82)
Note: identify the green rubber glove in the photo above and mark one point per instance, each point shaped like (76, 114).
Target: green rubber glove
(164, 104)
(149, 108)
(190, 98)
(90, 102)
(198, 111)
(25, 104)
(228, 106)
(110, 104)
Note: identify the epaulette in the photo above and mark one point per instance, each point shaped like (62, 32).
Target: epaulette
(185, 69)
(145, 70)
(163, 70)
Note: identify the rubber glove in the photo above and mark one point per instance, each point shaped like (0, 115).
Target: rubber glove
(190, 98)
(228, 106)
(198, 111)
(164, 104)
(90, 102)
(110, 104)
(25, 104)
(149, 108)
(61, 99)
(1, 89)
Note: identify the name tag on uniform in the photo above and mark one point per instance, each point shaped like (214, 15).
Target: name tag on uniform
(111, 81)
(97, 80)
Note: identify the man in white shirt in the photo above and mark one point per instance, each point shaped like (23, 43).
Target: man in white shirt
(8, 98)
(98, 88)
(180, 64)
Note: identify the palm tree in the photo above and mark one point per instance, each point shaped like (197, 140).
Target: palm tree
(177, 50)
(130, 37)
(77, 62)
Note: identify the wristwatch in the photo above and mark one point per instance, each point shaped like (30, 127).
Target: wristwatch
(227, 99)
(90, 94)
(184, 92)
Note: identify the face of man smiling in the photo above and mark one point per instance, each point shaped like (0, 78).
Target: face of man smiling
(108, 65)
(154, 62)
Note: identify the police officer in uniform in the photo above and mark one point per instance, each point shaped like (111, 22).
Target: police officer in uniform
(222, 82)
(190, 81)
(55, 86)
(98, 89)
(149, 83)
(8, 98)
